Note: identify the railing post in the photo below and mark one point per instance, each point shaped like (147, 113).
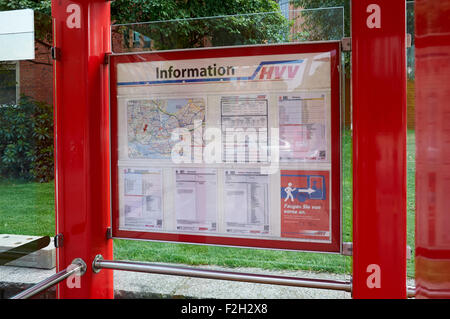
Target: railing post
(81, 35)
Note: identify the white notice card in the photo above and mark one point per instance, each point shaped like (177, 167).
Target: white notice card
(303, 127)
(196, 199)
(246, 202)
(244, 121)
(141, 207)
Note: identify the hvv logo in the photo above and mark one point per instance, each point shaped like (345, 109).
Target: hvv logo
(279, 70)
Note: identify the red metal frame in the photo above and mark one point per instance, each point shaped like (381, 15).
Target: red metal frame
(81, 36)
(379, 149)
(432, 149)
(333, 47)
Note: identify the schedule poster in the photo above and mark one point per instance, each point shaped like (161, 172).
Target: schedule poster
(142, 199)
(196, 199)
(248, 115)
(305, 205)
(303, 128)
(246, 202)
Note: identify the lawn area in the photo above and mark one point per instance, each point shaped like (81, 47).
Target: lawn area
(411, 199)
(28, 208)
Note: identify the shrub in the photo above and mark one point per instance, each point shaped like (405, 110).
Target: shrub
(26, 140)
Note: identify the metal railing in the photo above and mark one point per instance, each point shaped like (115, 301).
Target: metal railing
(411, 292)
(99, 263)
(77, 267)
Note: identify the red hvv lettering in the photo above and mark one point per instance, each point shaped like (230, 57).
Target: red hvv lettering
(292, 71)
(279, 72)
(266, 71)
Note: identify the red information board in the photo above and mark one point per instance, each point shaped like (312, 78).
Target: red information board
(228, 146)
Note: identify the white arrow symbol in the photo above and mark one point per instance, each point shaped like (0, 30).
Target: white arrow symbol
(309, 190)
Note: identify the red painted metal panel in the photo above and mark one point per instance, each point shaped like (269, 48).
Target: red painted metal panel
(333, 48)
(81, 33)
(379, 150)
(432, 148)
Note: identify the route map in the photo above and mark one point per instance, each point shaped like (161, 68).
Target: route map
(152, 121)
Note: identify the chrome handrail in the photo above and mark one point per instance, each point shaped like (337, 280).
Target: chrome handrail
(99, 263)
(78, 266)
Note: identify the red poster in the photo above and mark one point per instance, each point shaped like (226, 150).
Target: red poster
(305, 205)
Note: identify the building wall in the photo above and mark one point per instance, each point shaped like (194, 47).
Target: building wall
(36, 76)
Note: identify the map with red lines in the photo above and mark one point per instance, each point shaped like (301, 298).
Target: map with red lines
(150, 123)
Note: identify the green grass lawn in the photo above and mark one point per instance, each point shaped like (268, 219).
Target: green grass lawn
(411, 199)
(28, 208)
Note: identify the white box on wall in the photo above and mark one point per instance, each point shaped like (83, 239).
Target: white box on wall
(17, 35)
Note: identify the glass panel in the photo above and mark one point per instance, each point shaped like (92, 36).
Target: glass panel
(26, 139)
(243, 29)
(317, 24)
(26, 132)
(27, 205)
(197, 186)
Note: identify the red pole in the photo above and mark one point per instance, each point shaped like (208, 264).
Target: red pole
(379, 150)
(432, 43)
(81, 37)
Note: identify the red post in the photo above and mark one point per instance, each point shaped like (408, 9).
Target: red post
(432, 148)
(81, 36)
(379, 150)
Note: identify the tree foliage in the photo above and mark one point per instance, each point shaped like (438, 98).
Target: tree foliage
(128, 11)
(250, 28)
(320, 25)
(235, 22)
(26, 140)
(42, 6)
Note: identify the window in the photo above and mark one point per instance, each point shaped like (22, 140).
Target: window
(8, 83)
(147, 42)
(136, 39)
(284, 7)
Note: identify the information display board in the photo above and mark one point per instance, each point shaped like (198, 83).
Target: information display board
(228, 146)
